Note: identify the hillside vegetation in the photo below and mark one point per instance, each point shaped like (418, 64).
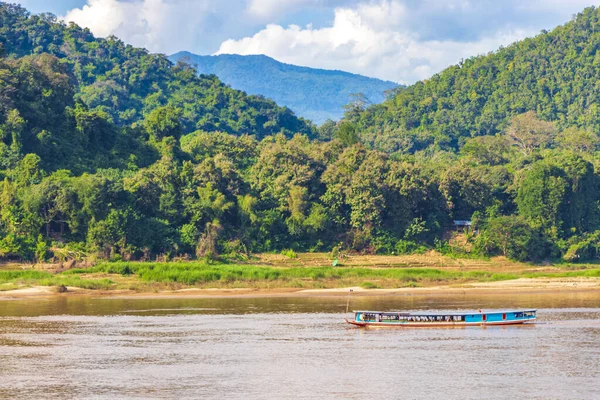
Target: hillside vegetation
(85, 102)
(111, 152)
(554, 74)
(315, 94)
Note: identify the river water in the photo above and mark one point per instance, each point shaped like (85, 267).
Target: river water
(294, 348)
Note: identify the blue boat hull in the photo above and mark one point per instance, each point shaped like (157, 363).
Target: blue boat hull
(441, 319)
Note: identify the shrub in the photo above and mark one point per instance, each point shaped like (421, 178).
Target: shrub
(289, 253)
(409, 247)
(585, 249)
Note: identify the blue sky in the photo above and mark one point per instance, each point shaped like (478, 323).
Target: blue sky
(398, 40)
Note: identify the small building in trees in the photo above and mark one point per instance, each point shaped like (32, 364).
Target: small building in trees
(463, 226)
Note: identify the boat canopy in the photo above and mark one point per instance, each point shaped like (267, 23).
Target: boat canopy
(453, 313)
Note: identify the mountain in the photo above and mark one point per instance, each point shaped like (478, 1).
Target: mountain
(315, 94)
(555, 74)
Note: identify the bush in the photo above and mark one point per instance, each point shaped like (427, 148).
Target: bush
(584, 249)
(289, 253)
(235, 250)
(409, 247)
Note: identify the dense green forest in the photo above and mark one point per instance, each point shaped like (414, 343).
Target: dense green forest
(316, 94)
(109, 151)
(554, 74)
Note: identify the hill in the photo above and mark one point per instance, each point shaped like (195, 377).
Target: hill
(554, 74)
(111, 152)
(315, 94)
(66, 68)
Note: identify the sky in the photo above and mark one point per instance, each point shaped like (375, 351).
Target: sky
(399, 40)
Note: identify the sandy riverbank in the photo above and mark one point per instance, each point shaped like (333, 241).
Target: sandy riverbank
(522, 285)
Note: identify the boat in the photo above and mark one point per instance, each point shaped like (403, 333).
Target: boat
(441, 319)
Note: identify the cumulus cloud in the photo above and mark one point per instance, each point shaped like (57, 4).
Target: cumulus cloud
(161, 25)
(368, 39)
(399, 40)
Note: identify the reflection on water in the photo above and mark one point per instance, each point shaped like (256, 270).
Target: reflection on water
(72, 347)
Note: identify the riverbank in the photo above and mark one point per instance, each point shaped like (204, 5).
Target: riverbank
(306, 275)
(516, 286)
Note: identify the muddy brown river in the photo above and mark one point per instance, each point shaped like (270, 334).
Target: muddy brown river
(294, 348)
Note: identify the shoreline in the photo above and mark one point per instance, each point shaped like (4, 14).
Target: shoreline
(521, 286)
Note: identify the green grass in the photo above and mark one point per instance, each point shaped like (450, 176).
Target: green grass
(199, 273)
(586, 273)
(194, 273)
(41, 278)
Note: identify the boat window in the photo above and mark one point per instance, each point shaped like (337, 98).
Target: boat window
(518, 315)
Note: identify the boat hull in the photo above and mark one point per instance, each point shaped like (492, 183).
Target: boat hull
(397, 319)
(434, 324)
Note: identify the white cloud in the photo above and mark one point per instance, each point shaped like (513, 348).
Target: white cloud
(160, 25)
(399, 40)
(368, 40)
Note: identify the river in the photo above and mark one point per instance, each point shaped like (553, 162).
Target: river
(294, 348)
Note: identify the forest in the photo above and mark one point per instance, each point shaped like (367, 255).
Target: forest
(110, 152)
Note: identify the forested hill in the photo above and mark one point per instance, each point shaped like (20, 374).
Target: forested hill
(555, 74)
(110, 152)
(75, 92)
(315, 94)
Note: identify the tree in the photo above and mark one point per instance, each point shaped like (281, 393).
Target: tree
(578, 140)
(358, 103)
(368, 187)
(96, 129)
(540, 196)
(488, 150)
(512, 237)
(560, 194)
(327, 130)
(11, 143)
(347, 134)
(528, 133)
(164, 122)
(207, 244)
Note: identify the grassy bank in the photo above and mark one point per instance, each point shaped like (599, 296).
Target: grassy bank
(365, 271)
(223, 275)
(10, 280)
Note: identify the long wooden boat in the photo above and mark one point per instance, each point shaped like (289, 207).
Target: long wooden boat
(439, 319)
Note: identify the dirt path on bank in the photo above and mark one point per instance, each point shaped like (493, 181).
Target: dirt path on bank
(522, 285)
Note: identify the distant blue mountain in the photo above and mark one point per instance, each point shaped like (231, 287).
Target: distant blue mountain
(315, 94)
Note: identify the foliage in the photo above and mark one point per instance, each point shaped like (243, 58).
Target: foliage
(109, 152)
(512, 237)
(289, 253)
(552, 74)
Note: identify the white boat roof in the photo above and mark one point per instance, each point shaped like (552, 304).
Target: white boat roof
(451, 313)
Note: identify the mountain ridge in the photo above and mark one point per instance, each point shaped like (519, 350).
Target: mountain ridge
(312, 93)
